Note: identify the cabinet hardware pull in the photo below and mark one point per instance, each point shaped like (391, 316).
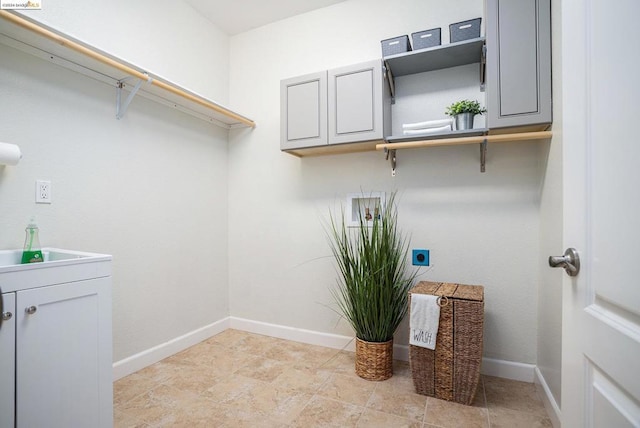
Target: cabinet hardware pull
(31, 310)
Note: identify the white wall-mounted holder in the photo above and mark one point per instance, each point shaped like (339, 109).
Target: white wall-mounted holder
(365, 205)
(10, 154)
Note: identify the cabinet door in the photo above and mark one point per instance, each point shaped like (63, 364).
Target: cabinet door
(7, 360)
(303, 111)
(355, 103)
(63, 354)
(518, 62)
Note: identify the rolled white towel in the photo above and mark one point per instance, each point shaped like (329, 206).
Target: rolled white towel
(427, 131)
(428, 124)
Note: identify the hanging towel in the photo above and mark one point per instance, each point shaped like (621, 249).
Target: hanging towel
(423, 320)
(428, 124)
(427, 131)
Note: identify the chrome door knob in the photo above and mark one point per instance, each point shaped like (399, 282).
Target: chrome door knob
(6, 316)
(31, 310)
(570, 261)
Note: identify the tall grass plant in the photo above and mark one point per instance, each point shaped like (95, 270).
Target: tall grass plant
(373, 286)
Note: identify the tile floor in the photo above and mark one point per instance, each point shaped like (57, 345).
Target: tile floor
(239, 379)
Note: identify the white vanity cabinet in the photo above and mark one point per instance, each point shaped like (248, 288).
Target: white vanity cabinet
(56, 347)
(341, 106)
(7, 359)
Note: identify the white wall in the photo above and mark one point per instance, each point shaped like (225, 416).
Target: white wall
(480, 228)
(550, 291)
(150, 189)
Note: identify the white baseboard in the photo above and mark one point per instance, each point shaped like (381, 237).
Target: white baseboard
(508, 369)
(311, 337)
(550, 403)
(491, 367)
(150, 356)
(334, 341)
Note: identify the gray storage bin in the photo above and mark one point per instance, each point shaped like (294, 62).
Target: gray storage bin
(395, 45)
(426, 39)
(464, 30)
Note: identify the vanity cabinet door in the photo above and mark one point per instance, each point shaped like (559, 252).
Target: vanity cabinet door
(518, 63)
(303, 111)
(7, 359)
(63, 351)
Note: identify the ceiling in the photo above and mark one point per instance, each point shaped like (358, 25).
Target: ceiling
(237, 16)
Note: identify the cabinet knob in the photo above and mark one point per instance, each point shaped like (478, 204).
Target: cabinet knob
(6, 316)
(31, 310)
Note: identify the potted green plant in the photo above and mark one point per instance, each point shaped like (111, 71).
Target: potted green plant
(464, 111)
(373, 285)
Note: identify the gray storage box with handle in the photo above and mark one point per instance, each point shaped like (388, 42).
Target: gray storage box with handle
(426, 39)
(395, 45)
(464, 30)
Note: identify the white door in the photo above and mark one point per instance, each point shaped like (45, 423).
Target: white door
(601, 191)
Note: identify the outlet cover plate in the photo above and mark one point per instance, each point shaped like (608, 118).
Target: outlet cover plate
(420, 257)
(43, 192)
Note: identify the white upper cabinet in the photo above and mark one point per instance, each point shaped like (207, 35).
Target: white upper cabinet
(342, 106)
(303, 111)
(518, 63)
(356, 103)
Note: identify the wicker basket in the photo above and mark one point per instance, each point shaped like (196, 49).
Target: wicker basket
(374, 360)
(451, 371)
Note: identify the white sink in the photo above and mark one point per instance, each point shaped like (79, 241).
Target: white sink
(58, 266)
(13, 257)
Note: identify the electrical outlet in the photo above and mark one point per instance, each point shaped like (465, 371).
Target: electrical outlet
(43, 192)
(420, 258)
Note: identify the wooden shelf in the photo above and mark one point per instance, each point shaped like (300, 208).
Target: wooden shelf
(335, 149)
(436, 58)
(453, 138)
(46, 43)
(455, 141)
(390, 148)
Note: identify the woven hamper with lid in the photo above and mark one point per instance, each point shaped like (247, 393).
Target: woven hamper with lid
(451, 371)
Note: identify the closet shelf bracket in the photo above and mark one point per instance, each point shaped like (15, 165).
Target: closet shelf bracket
(390, 155)
(483, 155)
(121, 108)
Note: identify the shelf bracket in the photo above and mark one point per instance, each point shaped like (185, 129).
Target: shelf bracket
(483, 68)
(390, 81)
(390, 155)
(121, 108)
(483, 155)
